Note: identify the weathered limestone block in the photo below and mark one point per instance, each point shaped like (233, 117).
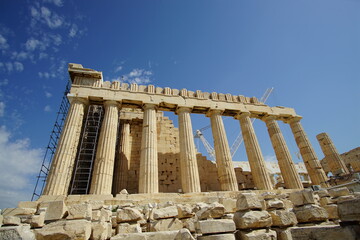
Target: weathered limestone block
(128, 215)
(261, 234)
(100, 230)
(310, 213)
(16, 233)
(113, 221)
(189, 223)
(1, 220)
(167, 224)
(11, 221)
(105, 215)
(349, 210)
(70, 229)
(283, 218)
(128, 228)
(229, 236)
(323, 193)
(332, 211)
(338, 192)
(38, 220)
(18, 211)
(328, 232)
(343, 198)
(184, 211)
(274, 204)
(96, 204)
(55, 210)
(164, 235)
(95, 215)
(248, 201)
(302, 197)
(213, 210)
(28, 204)
(215, 226)
(229, 204)
(252, 219)
(167, 212)
(325, 201)
(79, 211)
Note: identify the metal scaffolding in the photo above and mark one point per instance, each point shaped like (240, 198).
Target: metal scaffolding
(87, 151)
(51, 147)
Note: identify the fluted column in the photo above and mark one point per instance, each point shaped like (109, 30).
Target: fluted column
(332, 156)
(122, 164)
(259, 172)
(148, 179)
(312, 164)
(288, 171)
(102, 176)
(226, 172)
(59, 177)
(190, 181)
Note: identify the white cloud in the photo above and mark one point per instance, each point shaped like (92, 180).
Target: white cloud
(18, 66)
(119, 68)
(32, 44)
(53, 20)
(47, 108)
(270, 158)
(4, 82)
(21, 55)
(3, 42)
(73, 30)
(48, 95)
(19, 164)
(2, 109)
(139, 76)
(58, 3)
(9, 66)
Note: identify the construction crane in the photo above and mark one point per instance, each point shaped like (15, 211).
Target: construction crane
(239, 139)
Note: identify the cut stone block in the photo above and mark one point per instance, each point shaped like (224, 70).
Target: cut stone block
(79, 211)
(325, 201)
(332, 211)
(128, 228)
(128, 215)
(349, 210)
(65, 229)
(248, 201)
(328, 232)
(303, 197)
(283, 218)
(323, 193)
(184, 211)
(38, 220)
(215, 226)
(252, 219)
(18, 211)
(16, 233)
(274, 204)
(55, 210)
(310, 213)
(100, 230)
(338, 192)
(167, 224)
(261, 234)
(228, 236)
(11, 221)
(214, 210)
(167, 212)
(229, 204)
(164, 235)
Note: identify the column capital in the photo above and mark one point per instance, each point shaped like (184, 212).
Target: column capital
(110, 103)
(74, 99)
(211, 112)
(268, 117)
(149, 106)
(242, 115)
(180, 109)
(293, 119)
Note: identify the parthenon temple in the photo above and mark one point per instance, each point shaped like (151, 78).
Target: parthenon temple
(116, 137)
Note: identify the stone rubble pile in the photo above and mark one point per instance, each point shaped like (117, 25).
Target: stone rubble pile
(323, 214)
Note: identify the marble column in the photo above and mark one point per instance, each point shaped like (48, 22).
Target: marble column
(190, 181)
(148, 176)
(122, 164)
(226, 171)
(102, 176)
(59, 177)
(259, 172)
(312, 164)
(287, 167)
(332, 156)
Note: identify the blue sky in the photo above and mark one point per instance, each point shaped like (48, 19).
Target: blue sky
(308, 51)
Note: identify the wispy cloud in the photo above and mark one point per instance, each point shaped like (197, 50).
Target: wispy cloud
(3, 42)
(2, 109)
(139, 76)
(19, 163)
(47, 108)
(58, 3)
(48, 94)
(118, 68)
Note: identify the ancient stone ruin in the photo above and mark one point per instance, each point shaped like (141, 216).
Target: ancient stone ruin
(121, 170)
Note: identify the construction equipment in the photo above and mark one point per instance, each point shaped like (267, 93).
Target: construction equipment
(239, 139)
